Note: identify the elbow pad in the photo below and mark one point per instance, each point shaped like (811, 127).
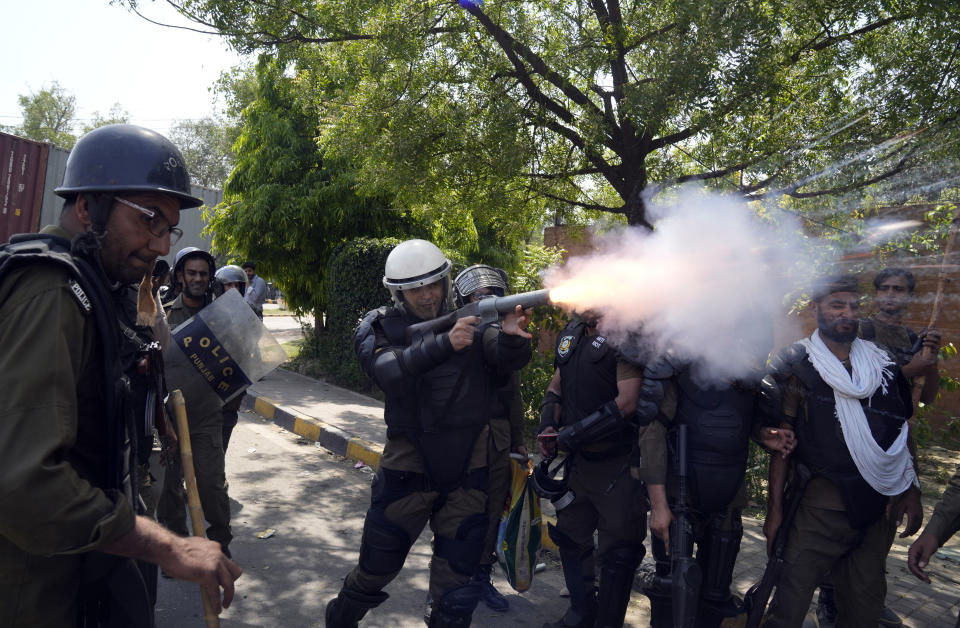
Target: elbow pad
(388, 373)
(653, 391)
(426, 352)
(605, 423)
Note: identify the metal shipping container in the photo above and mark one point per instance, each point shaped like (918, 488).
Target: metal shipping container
(23, 168)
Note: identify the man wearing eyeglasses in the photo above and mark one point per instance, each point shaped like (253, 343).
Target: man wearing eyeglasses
(68, 526)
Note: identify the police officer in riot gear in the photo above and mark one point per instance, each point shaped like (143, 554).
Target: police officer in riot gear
(720, 416)
(193, 272)
(230, 277)
(591, 393)
(68, 519)
(506, 428)
(438, 389)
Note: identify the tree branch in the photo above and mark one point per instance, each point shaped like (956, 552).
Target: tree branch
(829, 40)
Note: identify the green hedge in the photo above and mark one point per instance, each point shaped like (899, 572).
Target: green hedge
(354, 286)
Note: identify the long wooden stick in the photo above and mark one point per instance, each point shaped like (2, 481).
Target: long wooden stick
(193, 494)
(943, 279)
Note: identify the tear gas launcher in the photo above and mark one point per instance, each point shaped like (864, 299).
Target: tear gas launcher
(490, 309)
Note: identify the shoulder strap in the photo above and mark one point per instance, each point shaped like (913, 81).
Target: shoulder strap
(868, 331)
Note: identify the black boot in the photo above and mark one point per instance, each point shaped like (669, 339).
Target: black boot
(347, 609)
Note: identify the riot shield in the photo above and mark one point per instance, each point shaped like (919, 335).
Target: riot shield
(218, 353)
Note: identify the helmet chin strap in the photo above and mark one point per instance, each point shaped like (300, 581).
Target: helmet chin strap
(99, 207)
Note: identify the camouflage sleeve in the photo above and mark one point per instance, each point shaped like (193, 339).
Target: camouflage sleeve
(46, 348)
(945, 520)
(651, 465)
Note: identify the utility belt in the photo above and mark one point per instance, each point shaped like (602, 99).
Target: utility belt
(407, 482)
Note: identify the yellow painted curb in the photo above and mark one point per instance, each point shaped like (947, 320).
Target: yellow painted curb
(265, 407)
(307, 429)
(365, 451)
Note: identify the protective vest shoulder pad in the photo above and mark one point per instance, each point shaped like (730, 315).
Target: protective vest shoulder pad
(784, 363)
(567, 342)
(663, 367)
(33, 248)
(364, 339)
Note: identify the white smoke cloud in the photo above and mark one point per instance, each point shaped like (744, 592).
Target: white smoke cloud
(707, 283)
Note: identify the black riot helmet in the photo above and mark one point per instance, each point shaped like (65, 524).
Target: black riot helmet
(120, 158)
(479, 276)
(546, 484)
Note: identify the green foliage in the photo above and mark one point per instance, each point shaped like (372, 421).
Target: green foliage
(530, 108)
(116, 115)
(48, 116)
(536, 375)
(206, 145)
(354, 287)
(283, 205)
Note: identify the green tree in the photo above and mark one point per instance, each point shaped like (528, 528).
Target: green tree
(535, 106)
(284, 206)
(207, 147)
(48, 115)
(116, 115)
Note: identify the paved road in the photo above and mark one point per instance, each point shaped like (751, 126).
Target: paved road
(316, 501)
(284, 328)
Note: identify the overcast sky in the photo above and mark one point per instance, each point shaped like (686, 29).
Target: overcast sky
(105, 54)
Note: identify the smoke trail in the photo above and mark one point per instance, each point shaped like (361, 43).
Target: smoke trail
(705, 284)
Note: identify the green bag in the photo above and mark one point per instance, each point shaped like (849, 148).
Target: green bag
(518, 539)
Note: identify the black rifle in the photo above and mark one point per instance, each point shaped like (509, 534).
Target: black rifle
(685, 573)
(489, 309)
(686, 576)
(759, 594)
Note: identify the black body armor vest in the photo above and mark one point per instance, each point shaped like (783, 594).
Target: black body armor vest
(446, 411)
(821, 446)
(718, 423)
(588, 372)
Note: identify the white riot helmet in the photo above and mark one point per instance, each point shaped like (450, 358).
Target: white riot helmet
(412, 264)
(479, 276)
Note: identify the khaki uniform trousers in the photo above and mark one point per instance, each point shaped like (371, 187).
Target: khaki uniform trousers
(822, 540)
(500, 477)
(208, 463)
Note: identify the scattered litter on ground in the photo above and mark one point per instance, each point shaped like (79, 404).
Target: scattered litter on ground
(252, 450)
(305, 474)
(367, 470)
(360, 464)
(266, 534)
(318, 445)
(541, 567)
(281, 431)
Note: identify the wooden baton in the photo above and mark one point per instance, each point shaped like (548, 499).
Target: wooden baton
(193, 495)
(942, 280)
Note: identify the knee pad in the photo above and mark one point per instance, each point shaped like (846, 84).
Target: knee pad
(717, 556)
(456, 606)
(384, 545)
(463, 552)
